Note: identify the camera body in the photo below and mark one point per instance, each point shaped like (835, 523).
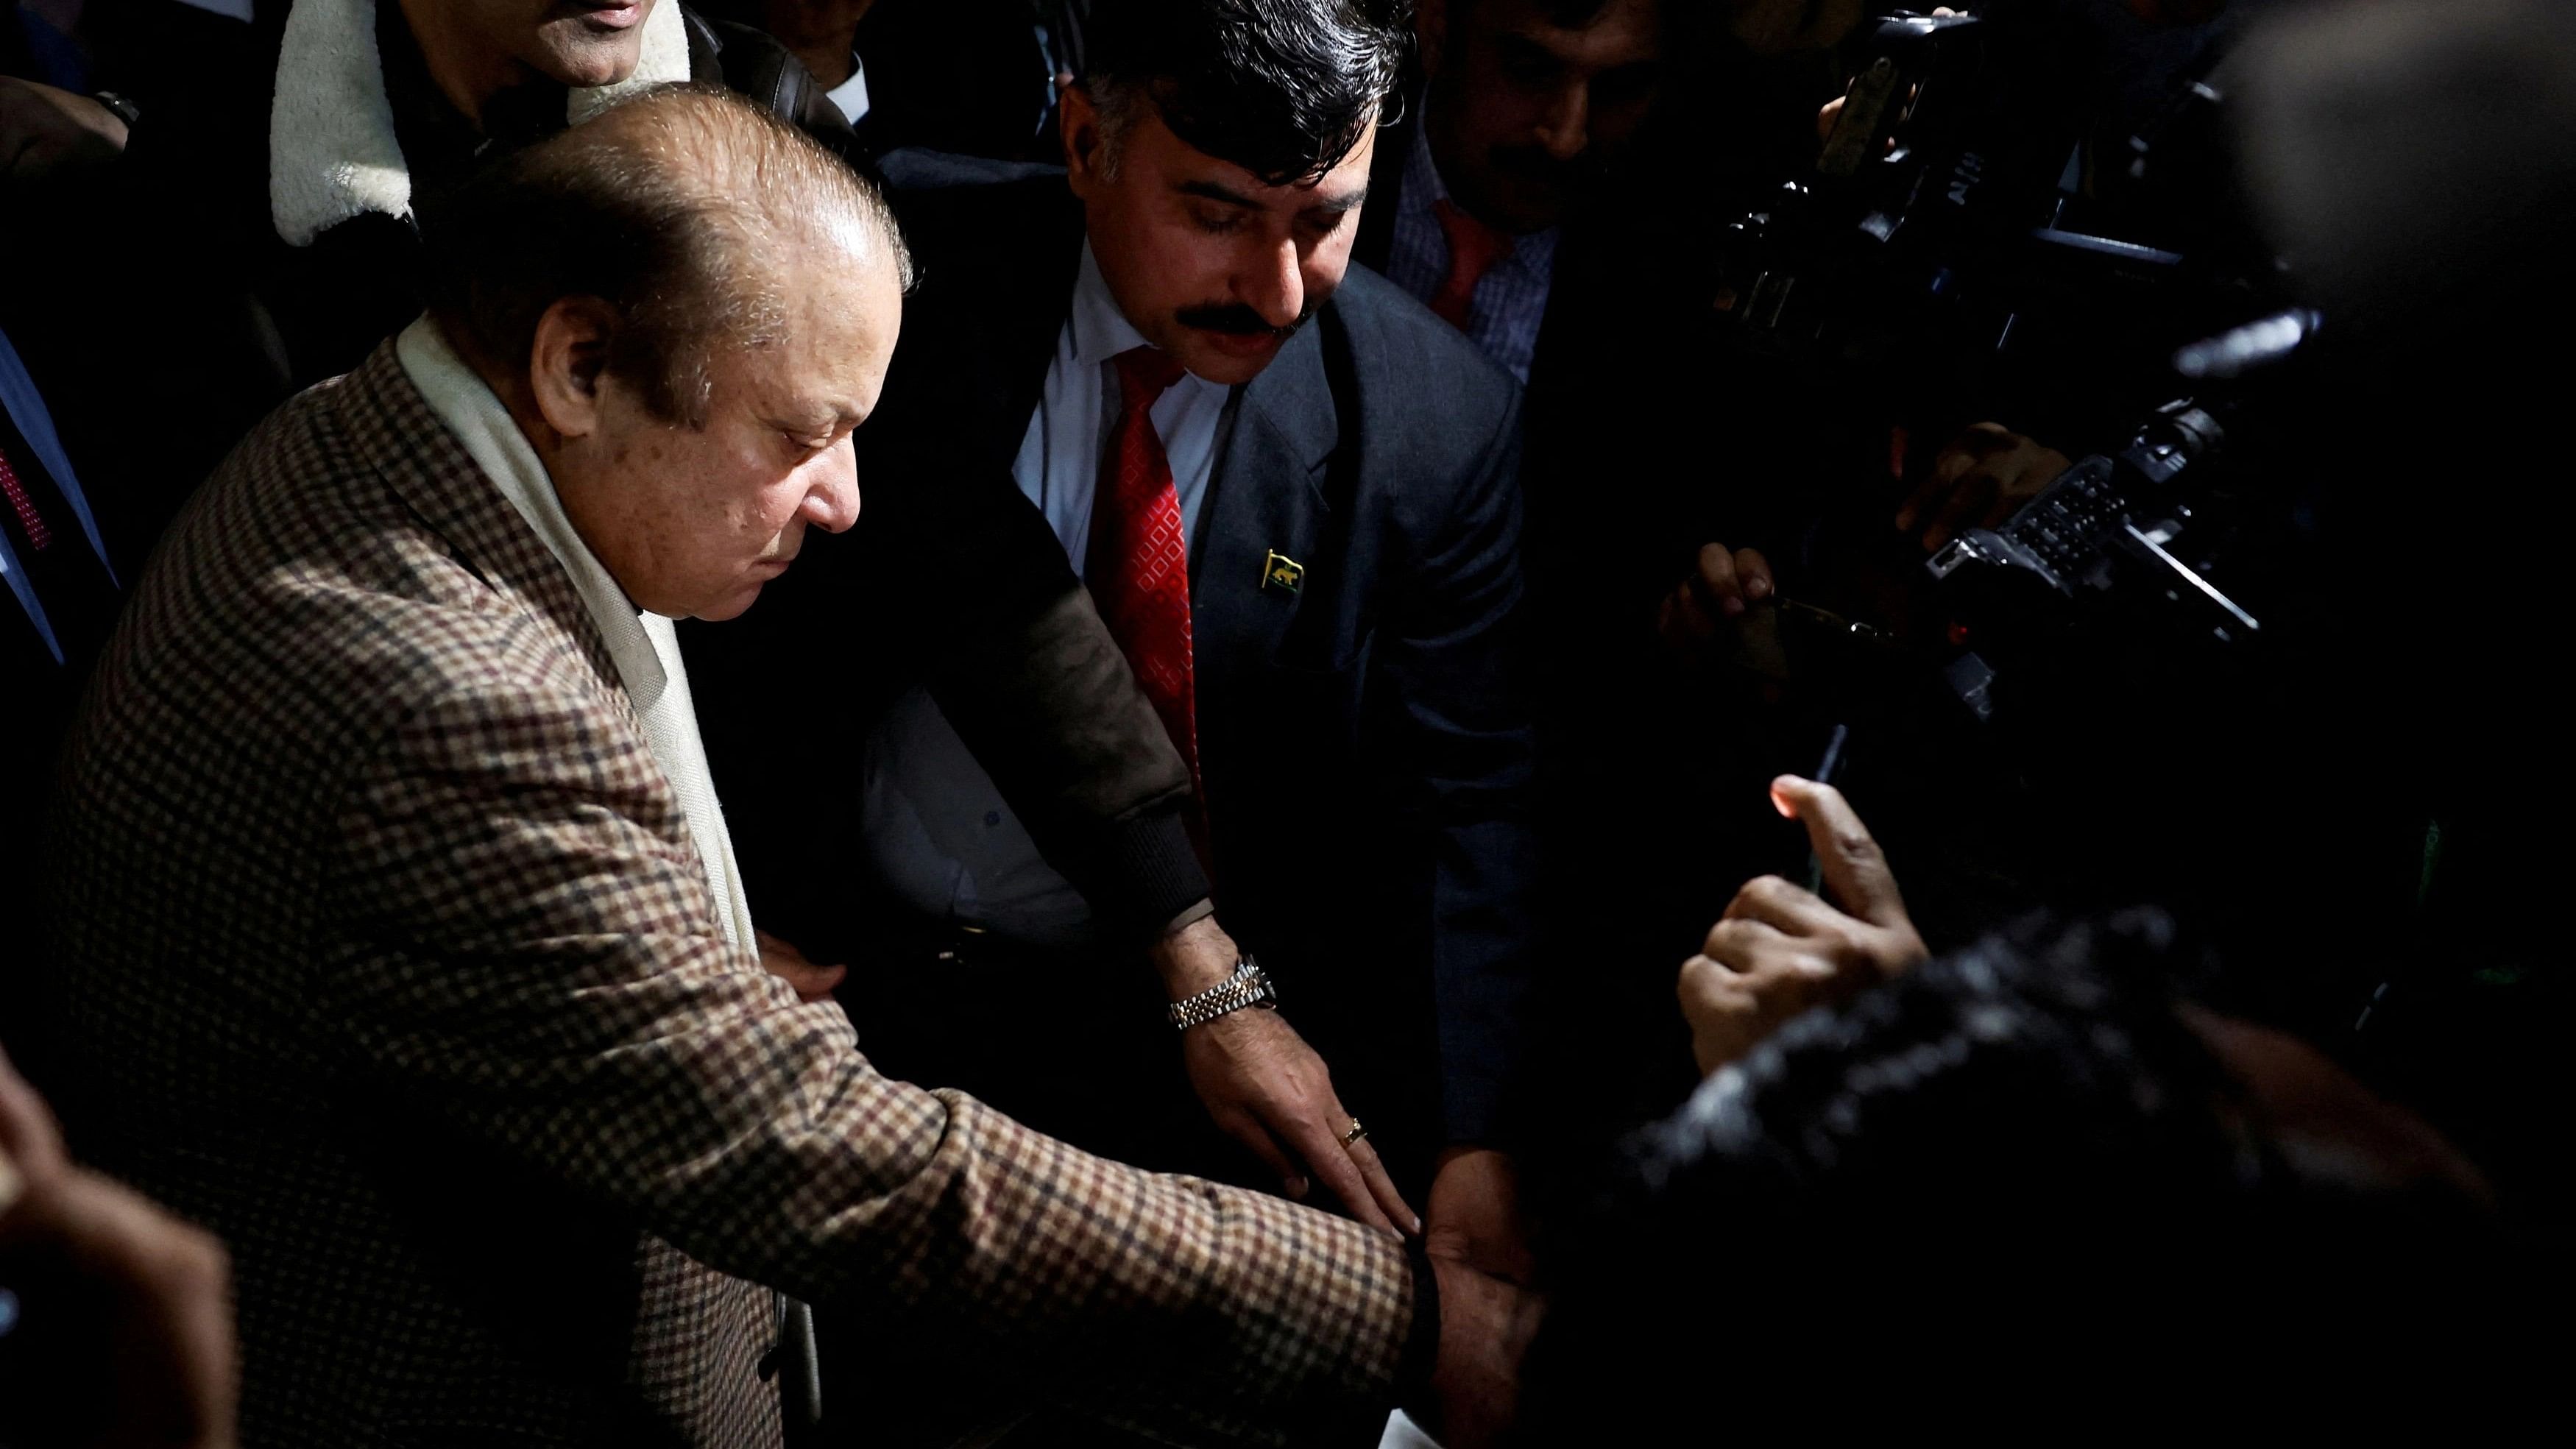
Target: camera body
(1970, 246)
(1943, 254)
(2118, 541)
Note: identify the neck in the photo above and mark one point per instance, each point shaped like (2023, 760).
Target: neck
(467, 68)
(822, 34)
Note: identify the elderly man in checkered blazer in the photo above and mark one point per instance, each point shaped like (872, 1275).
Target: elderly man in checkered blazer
(402, 943)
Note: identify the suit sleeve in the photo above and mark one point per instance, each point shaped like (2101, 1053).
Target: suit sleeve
(1456, 658)
(526, 950)
(1023, 667)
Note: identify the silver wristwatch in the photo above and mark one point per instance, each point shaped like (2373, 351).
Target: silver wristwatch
(1248, 986)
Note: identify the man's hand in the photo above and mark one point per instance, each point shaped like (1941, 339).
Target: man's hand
(1716, 594)
(130, 1305)
(1780, 950)
(1485, 1328)
(812, 982)
(1268, 1090)
(1978, 481)
(44, 131)
(1474, 1214)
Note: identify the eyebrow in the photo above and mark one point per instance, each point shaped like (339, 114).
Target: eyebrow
(1336, 205)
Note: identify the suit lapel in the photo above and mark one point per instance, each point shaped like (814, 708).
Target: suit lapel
(1269, 495)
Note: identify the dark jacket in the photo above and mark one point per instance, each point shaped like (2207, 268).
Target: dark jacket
(1017, 663)
(1365, 740)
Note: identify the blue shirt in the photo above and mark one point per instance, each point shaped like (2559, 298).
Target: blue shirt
(1511, 298)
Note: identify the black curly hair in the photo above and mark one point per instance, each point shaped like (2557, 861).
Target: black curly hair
(2011, 1184)
(1284, 89)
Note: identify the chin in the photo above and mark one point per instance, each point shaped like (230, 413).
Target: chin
(579, 58)
(732, 606)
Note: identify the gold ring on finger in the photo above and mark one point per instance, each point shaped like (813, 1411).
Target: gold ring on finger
(1355, 1134)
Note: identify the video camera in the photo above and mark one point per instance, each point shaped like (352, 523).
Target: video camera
(1956, 228)
(1967, 247)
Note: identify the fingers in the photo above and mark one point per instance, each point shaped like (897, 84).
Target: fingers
(1715, 584)
(1334, 1167)
(1969, 498)
(1245, 1128)
(1753, 572)
(817, 983)
(1776, 903)
(2021, 477)
(1726, 580)
(1742, 945)
(1382, 1187)
(1856, 871)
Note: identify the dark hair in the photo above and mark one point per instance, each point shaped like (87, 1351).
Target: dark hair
(1282, 88)
(670, 208)
(2011, 1181)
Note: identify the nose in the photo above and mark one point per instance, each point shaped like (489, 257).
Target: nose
(1567, 128)
(832, 503)
(1274, 285)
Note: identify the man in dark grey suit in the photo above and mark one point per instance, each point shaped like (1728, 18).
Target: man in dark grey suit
(1293, 493)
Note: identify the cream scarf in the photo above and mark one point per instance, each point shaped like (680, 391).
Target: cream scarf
(646, 651)
(331, 148)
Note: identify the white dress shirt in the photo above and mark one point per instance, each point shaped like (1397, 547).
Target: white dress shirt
(938, 832)
(851, 95)
(1510, 303)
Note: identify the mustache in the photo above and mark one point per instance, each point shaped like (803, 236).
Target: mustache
(1239, 320)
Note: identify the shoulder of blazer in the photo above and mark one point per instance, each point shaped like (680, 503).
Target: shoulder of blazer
(1414, 373)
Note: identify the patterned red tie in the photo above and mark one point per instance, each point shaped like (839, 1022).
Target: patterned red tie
(1473, 249)
(1139, 563)
(39, 537)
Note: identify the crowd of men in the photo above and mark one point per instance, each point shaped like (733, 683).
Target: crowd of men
(897, 721)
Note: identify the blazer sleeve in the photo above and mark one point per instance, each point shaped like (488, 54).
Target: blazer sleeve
(525, 948)
(1455, 656)
(1010, 645)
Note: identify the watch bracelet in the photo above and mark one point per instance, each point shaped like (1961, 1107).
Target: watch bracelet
(1248, 986)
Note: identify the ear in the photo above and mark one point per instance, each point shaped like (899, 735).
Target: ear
(1430, 33)
(566, 362)
(1078, 117)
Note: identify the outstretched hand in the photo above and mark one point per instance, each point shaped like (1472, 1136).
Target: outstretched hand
(1268, 1089)
(1781, 950)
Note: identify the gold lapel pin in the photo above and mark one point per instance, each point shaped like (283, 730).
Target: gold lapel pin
(1281, 574)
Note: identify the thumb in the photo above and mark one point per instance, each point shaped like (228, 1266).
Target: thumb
(27, 1131)
(1856, 872)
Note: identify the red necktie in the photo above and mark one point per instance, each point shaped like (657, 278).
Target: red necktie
(1139, 564)
(1473, 249)
(39, 537)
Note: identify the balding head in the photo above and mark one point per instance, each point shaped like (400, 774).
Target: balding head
(687, 308)
(685, 210)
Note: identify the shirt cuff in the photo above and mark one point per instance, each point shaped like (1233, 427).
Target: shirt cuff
(1191, 917)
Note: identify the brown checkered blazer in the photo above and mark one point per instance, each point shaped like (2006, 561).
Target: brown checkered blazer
(385, 953)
